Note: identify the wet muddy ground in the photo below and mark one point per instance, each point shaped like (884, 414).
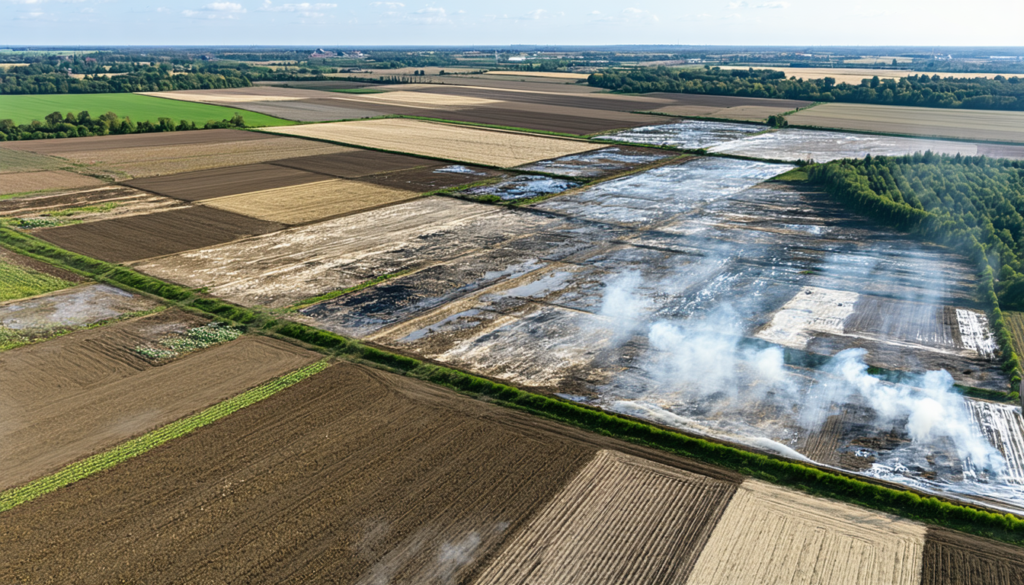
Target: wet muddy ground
(600, 163)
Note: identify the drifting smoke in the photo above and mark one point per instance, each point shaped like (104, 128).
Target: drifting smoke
(706, 358)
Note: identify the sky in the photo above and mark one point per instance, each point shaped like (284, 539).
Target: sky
(549, 22)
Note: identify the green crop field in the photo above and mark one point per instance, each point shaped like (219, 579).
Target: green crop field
(25, 108)
(17, 283)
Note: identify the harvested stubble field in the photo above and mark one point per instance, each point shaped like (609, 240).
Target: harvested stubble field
(419, 99)
(549, 74)
(90, 205)
(725, 107)
(222, 182)
(565, 120)
(444, 141)
(772, 535)
(310, 202)
(353, 475)
(953, 558)
(41, 317)
(126, 239)
(310, 111)
(354, 163)
(74, 395)
(281, 269)
(44, 181)
(993, 125)
(622, 519)
(163, 153)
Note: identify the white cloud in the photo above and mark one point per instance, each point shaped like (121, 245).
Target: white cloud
(215, 10)
(388, 4)
(774, 5)
(626, 16)
(304, 9)
(431, 15)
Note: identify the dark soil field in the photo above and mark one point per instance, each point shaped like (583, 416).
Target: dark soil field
(538, 119)
(75, 395)
(308, 111)
(723, 101)
(430, 179)
(59, 145)
(354, 164)
(145, 236)
(953, 558)
(226, 181)
(354, 476)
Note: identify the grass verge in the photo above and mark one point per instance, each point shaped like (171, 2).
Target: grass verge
(139, 445)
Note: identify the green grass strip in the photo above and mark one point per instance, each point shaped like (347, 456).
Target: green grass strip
(140, 445)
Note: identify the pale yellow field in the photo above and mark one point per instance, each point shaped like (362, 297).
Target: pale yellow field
(417, 99)
(554, 74)
(965, 124)
(854, 76)
(446, 141)
(310, 202)
(774, 536)
(622, 519)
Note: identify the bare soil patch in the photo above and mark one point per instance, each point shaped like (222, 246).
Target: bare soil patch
(44, 181)
(953, 558)
(580, 121)
(91, 205)
(353, 475)
(94, 143)
(472, 145)
(551, 74)
(311, 202)
(770, 534)
(225, 181)
(145, 236)
(354, 163)
(621, 519)
(949, 123)
(432, 178)
(1001, 151)
(309, 111)
(420, 99)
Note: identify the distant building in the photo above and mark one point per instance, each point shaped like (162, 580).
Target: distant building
(517, 58)
(322, 54)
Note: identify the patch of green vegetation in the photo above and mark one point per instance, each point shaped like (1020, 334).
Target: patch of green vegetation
(793, 176)
(140, 445)
(31, 223)
(338, 293)
(193, 340)
(17, 282)
(23, 109)
(102, 208)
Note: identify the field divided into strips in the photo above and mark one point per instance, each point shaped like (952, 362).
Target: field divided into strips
(444, 141)
(74, 395)
(723, 107)
(999, 126)
(622, 519)
(854, 76)
(310, 202)
(163, 153)
(88, 205)
(127, 239)
(352, 163)
(772, 535)
(280, 269)
(353, 475)
(23, 109)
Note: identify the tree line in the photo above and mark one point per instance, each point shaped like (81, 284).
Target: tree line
(70, 125)
(972, 204)
(998, 93)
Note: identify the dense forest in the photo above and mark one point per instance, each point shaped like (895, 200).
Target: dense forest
(1000, 93)
(973, 204)
(59, 125)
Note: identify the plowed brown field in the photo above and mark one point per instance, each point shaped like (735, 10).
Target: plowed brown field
(74, 395)
(20, 161)
(772, 535)
(620, 520)
(352, 476)
(144, 236)
(354, 163)
(311, 202)
(429, 179)
(449, 142)
(225, 181)
(953, 558)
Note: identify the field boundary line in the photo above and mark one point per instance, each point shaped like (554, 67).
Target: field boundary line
(139, 445)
